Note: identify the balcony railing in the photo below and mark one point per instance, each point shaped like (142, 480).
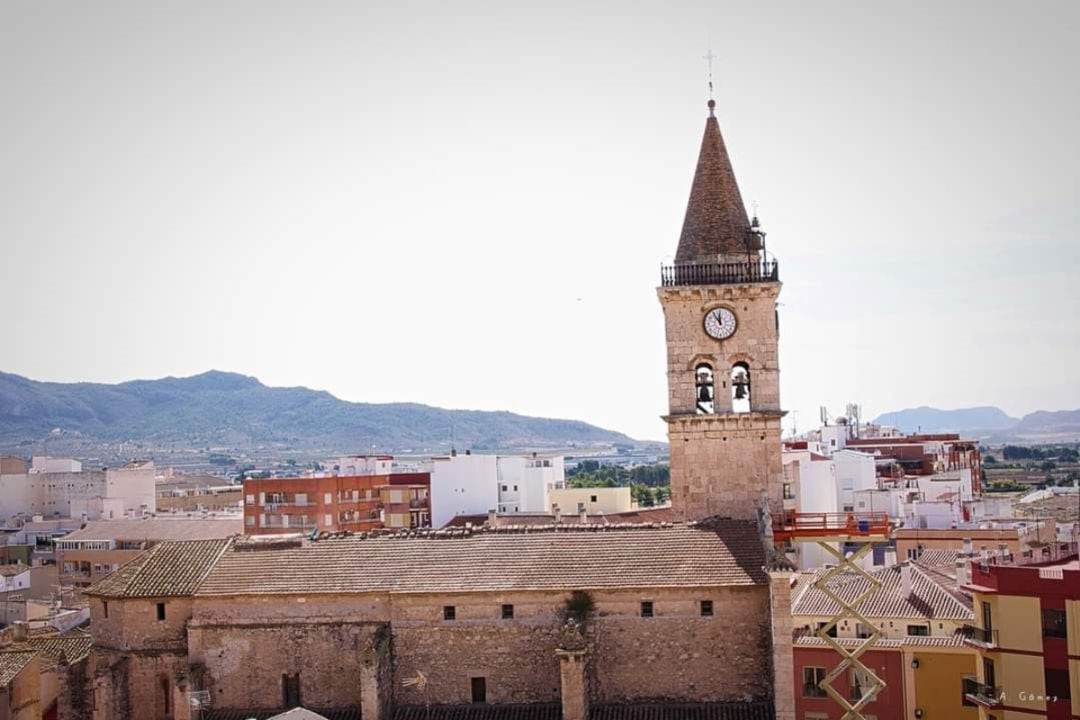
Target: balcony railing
(982, 694)
(731, 273)
(979, 637)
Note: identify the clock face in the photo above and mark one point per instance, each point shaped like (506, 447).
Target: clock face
(720, 323)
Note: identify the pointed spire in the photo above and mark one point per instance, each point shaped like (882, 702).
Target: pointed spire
(716, 222)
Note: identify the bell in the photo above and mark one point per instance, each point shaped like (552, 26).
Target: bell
(740, 391)
(705, 394)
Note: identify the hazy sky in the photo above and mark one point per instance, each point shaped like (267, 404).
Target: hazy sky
(467, 204)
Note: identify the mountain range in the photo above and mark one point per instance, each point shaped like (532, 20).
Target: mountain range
(991, 423)
(218, 409)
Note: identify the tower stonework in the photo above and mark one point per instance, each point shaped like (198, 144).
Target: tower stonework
(719, 301)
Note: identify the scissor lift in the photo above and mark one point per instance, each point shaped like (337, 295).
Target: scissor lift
(863, 529)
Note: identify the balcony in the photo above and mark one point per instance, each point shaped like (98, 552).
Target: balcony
(733, 273)
(982, 694)
(979, 638)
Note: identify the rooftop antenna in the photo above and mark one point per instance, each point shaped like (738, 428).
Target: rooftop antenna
(709, 57)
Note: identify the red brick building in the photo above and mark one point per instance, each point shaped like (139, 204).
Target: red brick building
(356, 503)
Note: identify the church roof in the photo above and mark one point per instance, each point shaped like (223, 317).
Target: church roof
(716, 221)
(721, 553)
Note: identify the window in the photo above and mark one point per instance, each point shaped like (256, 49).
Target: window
(812, 677)
(1057, 683)
(504, 488)
(161, 612)
(249, 521)
(1053, 623)
(967, 685)
(328, 498)
(789, 494)
(832, 630)
(704, 385)
(917, 630)
(592, 498)
(290, 690)
(706, 608)
(479, 690)
(105, 609)
(740, 387)
(646, 609)
(449, 612)
(507, 612)
(166, 695)
(862, 631)
(988, 624)
(989, 676)
(328, 519)
(515, 488)
(860, 683)
(250, 500)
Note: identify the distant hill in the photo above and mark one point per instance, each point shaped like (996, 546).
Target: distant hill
(226, 409)
(990, 423)
(930, 419)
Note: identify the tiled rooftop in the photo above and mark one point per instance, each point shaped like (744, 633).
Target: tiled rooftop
(725, 552)
(158, 529)
(13, 569)
(931, 597)
(955, 640)
(12, 663)
(636, 711)
(167, 569)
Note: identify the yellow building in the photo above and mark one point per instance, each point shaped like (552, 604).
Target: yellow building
(1027, 636)
(593, 500)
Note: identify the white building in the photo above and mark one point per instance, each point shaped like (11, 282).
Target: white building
(467, 484)
(361, 465)
(14, 577)
(44, 464)
(97, 494)
(855, 471)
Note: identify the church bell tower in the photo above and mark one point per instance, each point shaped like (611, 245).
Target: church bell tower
(719, 300)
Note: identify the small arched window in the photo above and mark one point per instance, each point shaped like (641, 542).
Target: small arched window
(704, 389)
(740, 387)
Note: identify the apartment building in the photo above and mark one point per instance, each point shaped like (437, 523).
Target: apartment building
(921, 611)
(468, 484)
(101, 547)
(331, 504)
(59, 488)
(1027, 637)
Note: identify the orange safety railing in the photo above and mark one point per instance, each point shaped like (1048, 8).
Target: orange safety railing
(794, 525)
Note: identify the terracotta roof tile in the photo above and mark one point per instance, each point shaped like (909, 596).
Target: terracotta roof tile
(726, 552)
(70, 648)
(167, 569)
(157, 529)
(930, 599)
(955, 640)
(12, 663)
(715, 219)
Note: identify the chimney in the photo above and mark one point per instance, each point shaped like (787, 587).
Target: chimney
(558, 514)
(968, 550)
(906, 588)
(583, 514)
(1003, 551)
(961, 573)
(19, 632)
(492, 517)
(984, 553)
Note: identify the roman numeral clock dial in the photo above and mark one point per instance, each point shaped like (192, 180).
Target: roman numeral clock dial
(720, 323)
